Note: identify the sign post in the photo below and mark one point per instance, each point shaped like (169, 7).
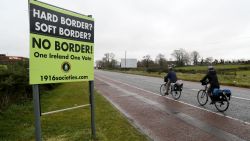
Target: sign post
(36, 102)
(61, 50)
(92, 109)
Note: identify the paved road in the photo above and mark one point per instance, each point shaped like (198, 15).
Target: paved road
(163, 118)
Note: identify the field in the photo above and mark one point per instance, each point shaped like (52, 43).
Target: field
(233, 75)
(243, 73)
(17, 122)
(218, 67)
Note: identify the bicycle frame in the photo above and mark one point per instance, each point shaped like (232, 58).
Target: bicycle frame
(205, 87)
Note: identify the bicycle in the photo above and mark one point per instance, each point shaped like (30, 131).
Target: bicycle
(221, 100)
(175, 90)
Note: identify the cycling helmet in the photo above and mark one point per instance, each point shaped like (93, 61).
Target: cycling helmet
(170, 68)
(210, 68)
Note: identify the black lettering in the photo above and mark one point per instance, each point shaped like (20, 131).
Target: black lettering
(91, 48)
(87, 49)
(36, 54)
(77, 48)
(57, 45)
(36, 43)
(41, 43)
(46, 42)
(71, 47)
(64, 46)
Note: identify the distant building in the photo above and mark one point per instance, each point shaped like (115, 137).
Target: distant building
(9, 59)
(128, 63)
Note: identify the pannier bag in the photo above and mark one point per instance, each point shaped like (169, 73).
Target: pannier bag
(218, 92)
(178, 86)
(227, 92)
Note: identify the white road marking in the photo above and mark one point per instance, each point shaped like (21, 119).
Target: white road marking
(245, 122)
(242, 98)
(194, 89)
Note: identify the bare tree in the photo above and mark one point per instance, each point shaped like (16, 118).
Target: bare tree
(99, 64)
(146, 61)
(215, 62)
(181, 56)
(161, 60)
(195, 56)
(108, 57)
(209, 60)
(108, 60)
(186, 59)
(222, 61)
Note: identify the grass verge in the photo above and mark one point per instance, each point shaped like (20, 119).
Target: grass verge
(17, 122)
(230, 80)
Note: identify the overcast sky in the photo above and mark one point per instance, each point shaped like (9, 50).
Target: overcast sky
(214, 28)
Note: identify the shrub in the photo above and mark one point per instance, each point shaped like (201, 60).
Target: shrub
(14, 83)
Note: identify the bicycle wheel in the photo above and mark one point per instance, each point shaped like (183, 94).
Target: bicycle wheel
(176, 94)
(222, 104)
(163, 89)
(202, 97)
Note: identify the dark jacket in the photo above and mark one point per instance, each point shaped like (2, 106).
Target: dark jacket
(171, 76)
(212, 79)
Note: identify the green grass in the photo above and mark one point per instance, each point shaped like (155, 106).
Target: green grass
(243, 73)
(231, 80)
(234, 75)
(217, 67)
(242, 79)
(17, 122)
(3, 67)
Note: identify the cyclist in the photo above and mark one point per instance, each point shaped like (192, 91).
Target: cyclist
(170, 78)
(212, 78)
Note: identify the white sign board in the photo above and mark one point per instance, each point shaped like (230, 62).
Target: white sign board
(128, 63)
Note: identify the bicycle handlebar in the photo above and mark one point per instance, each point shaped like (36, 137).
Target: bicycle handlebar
(204, 83)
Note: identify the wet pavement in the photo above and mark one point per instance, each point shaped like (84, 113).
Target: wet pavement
(163, 119)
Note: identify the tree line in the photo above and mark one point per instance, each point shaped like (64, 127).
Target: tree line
(180, 58)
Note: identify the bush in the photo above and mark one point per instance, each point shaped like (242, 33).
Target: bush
(154, 69)
(14, 86)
